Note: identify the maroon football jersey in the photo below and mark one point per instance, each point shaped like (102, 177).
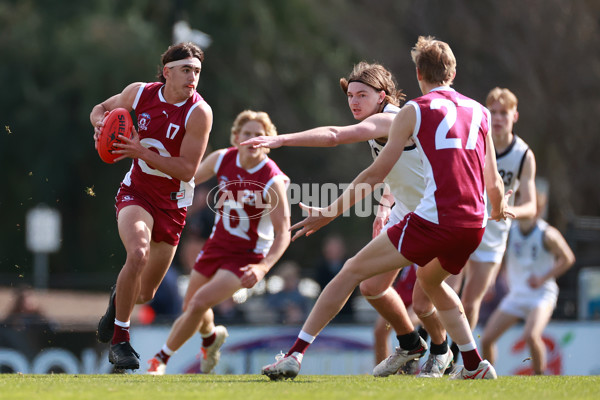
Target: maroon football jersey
(241, 202)
(451, 130)
(161, 127)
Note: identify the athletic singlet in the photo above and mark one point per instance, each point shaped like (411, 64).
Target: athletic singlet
(406, 179)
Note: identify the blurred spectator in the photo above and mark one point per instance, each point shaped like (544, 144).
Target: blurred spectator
(492, 298)
(26, 313)
(291, 306)
(166, 305)
(198, 227)
(332, 260)
(229, 312)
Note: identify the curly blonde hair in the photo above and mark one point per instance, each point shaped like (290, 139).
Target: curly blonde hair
(249, 115)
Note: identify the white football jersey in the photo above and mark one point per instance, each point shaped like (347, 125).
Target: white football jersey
(526, 255)
(510, 163)
(406, 179)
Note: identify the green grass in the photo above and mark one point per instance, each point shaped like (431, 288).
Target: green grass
(305, 387)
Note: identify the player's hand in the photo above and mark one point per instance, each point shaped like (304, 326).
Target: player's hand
(316, 219)
(98, 129)
(505, 210)
(253, 273)
(382, 217)
(129, 147)
(270, 142)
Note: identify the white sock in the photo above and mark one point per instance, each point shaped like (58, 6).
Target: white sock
(122, 324)
(306, 337)
(467, 347)
(205, 335)
(165, 349)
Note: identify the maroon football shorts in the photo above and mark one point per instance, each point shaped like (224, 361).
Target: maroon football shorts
(420, 241)
(168, 223)
(212, 259)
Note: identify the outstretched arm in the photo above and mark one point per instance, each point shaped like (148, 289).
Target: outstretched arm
(400, 131)
(373, 127)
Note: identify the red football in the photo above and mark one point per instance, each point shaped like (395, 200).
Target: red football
(117, 122)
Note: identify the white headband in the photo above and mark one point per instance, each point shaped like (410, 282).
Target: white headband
(192, 61)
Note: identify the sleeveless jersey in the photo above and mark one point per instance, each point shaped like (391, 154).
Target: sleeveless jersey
(450, 132)
(242, 223)
(526, 255)
(406, 179)
(510, 163)
(161, 127)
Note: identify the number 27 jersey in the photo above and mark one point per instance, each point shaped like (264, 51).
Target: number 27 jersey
(451, 131)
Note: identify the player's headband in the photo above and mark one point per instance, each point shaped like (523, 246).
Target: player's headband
(368, 84)
(192, 61)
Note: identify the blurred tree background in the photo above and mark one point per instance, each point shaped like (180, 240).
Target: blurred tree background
(59, 59)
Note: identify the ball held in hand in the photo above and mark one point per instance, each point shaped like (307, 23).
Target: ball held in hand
(117, 122)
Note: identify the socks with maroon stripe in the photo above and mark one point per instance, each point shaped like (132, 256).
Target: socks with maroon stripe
(164, 354)
(304, 340)
(470, 356)
(209, 338)
(121, 332)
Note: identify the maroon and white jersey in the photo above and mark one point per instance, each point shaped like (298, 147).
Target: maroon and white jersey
(161, 127)
(241, 202)
(450, 131)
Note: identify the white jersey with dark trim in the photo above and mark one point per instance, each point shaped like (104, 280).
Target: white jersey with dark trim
(510, 163)
(526, 255)
(406, 179)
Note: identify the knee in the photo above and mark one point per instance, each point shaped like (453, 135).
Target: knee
(532, 339)
(196, 307)
(351, 272)
(423, 310)
(138, 258)
(372, 290)
(422, 305)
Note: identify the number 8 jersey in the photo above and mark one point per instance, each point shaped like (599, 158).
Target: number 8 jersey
(242, 202)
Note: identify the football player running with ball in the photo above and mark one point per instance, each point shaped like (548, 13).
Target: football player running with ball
(174, 123)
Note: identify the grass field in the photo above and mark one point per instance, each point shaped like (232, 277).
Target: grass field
(256, 387)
